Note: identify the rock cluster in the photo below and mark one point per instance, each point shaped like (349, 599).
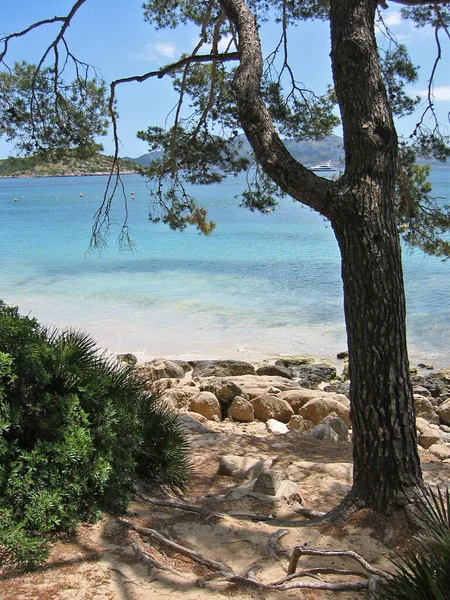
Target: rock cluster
(295, 393)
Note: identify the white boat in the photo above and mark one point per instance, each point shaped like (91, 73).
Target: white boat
(324, 167)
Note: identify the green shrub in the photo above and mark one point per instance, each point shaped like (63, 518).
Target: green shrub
(425, 575)
(76, 429)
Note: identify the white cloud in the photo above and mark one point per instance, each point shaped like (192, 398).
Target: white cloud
(222, 46)
(392, 18)
(156, 51)
(439, 93)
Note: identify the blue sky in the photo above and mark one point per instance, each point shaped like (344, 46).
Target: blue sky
(111, 35)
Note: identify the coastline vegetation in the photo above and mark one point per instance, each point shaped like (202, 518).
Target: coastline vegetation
(76, 431)
(69, 164)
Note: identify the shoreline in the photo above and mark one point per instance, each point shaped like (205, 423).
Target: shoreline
(48, 175)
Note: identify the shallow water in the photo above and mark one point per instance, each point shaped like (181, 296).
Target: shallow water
(261, 285)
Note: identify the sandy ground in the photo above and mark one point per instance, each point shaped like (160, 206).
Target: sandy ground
(100, 562)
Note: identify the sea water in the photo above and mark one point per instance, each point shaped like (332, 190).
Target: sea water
(259, 286)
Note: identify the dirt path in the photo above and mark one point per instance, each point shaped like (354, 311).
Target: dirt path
(100, 562)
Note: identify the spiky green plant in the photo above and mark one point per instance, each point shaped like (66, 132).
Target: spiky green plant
(76, 430)
(425, 575)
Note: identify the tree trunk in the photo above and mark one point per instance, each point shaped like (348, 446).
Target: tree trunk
(360, 206)
(386, 464)
(386, 469)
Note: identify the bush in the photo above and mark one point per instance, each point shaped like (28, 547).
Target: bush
(426, 575)
(76, 430)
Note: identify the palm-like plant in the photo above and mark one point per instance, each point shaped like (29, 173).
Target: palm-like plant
(425, 575)
(76, 429)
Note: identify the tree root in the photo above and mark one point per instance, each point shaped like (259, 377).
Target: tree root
(304, 512)
(220, 570)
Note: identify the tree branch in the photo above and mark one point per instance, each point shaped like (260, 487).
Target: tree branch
(290, 175)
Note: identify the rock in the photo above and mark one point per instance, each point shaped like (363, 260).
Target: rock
(420, 390)
(345, 375)
(184, 365)
(267, 406)
(421, 424)
(179, 399)
(273, 390)
(267, 482)
(206, 404)
(319, 408)
(442, 451)
(242, 467)
(424, 409)
(296, 423)
(298, 398)
(342, 355)
(295, 359)
(444, 374)
(427, 366)
(323, 432)
(276, 370)
(128, 358)
(444, 412)
(191, 425)
(198, 417)
(339, 387)
(221, 368)
(435, 383)
(158, 369)
(429, 437)
(310, 376)
(224, 390)
(263, 382)
(276, 427)
(241, 410)
(338, 426)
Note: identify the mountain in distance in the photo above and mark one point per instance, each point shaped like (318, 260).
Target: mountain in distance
(309, 152)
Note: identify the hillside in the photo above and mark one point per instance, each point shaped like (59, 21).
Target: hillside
(308, 152)
(70, 165)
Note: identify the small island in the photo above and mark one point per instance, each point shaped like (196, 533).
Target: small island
(68, 165)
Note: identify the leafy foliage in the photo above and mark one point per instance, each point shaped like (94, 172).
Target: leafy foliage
(43, 114)
(424, 221)
(425, 576)
(76, 429)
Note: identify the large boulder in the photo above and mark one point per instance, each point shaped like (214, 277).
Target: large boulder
(159, 368)
(206, 404)
(224, 389)
(310, 376)
(128, 358)
(430, 436)
(263, 382)
(276, 370)
(298, 398)
(442, 451)
(317, 409)
(221, 368)
(323, 432)
(338, 426)
(179, 398)
(242, 467)
(267, 406)
(425, 409)
(241, 410)
(444, 412)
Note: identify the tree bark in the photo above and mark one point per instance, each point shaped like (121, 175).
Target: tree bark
(386, 464)
(360, 206)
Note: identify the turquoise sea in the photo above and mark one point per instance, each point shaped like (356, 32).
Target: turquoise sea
(261, 285)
